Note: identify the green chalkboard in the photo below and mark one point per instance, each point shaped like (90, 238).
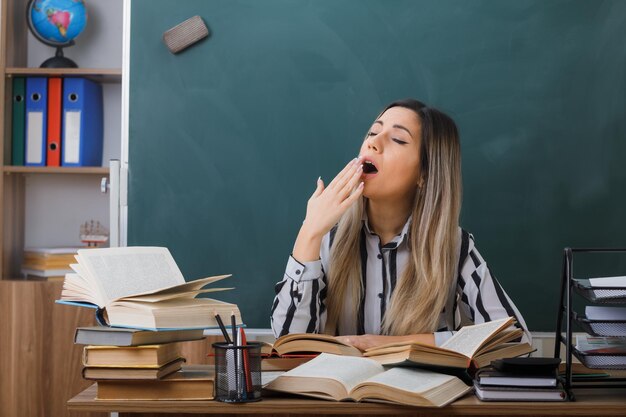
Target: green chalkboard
(228, 137)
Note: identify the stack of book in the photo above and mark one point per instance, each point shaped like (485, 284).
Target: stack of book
(131, 364)
(525, 379)
(144, 305)
(48, 263)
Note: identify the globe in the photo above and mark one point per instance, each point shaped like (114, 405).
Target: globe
(57, 23)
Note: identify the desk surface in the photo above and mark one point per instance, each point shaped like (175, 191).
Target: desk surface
(596, 402)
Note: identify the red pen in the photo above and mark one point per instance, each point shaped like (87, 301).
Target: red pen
(246, 361)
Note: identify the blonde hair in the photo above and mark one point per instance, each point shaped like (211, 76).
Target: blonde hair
(421, 292)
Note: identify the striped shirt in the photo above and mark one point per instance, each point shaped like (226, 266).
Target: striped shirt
(299, 305)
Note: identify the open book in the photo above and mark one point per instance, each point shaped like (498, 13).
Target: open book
(141, 288)
(296, 344)
(475, 345)
(340, 378)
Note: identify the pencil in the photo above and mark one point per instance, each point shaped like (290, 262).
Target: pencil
(222, 328)
(235, 353)
(234, 327)
(246, 361)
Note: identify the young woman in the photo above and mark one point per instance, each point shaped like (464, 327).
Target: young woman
(380, 256)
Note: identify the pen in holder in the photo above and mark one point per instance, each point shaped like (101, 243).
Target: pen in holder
(237, 372)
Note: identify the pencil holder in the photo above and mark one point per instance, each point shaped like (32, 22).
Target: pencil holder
(237, 372)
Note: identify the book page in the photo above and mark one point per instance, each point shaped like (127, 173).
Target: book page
(469, 339)
(348, 370)
(411, 379)
(120, 272)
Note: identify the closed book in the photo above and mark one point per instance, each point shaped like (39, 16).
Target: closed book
(491, 377)
(45, 273)
(18, 121)
(49, 257)
(194, 382)
(117, 356)
(114, 336)
(284, 363)
(518, 394)
(143, 373)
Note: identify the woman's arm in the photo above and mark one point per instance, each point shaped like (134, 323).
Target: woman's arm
(299, 303)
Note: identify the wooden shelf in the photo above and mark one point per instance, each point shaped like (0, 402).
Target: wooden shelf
(103, 75)
(55, 170)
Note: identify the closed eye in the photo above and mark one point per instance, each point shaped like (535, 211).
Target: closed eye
(401, 142)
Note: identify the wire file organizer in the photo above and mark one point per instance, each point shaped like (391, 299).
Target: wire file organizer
(566, 317)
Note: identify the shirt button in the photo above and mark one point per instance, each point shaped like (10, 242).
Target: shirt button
(380, 256)
(380, 295)
(297, 272)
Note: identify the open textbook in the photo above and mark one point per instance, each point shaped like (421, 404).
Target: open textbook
(476, 345)
(341, 378)
(296, 344)
(141, 288)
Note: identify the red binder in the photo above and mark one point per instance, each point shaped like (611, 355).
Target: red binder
(55, 97)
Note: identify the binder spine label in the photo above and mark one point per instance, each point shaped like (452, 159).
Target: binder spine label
(33, 137)
(72, 137)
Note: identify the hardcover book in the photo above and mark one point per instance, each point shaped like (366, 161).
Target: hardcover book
(503, 393)
(143, 372)
(194, 382)
(142, 288)
(472, 346)
(134, 356)
(117, 336)
(487, 377)
(296, 344)
(341, 378)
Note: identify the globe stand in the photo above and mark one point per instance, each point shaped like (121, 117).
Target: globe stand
(58, 61)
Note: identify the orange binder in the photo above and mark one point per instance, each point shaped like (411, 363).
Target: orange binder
(55, 99)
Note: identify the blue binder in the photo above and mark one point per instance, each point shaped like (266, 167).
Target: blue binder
(36, 121)
(82, 123)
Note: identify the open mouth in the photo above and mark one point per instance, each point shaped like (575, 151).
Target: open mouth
(369, 168)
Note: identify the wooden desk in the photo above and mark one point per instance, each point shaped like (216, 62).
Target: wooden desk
(598, 402)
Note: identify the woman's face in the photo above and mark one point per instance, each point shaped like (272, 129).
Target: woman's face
(391, 156)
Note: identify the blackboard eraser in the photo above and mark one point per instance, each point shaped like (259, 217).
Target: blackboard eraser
(185, 34)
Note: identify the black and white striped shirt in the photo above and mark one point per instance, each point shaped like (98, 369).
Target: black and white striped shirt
(299, 305)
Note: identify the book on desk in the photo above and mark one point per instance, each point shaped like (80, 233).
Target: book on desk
(142, 288)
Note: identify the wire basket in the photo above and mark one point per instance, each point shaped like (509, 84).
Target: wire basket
(601, 295)
(600, 360)
(237, 372)
(601, 327)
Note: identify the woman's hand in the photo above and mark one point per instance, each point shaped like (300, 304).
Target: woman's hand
(325, 208)
(367, 341)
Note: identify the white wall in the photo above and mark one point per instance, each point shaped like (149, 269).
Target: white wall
(56, 205)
